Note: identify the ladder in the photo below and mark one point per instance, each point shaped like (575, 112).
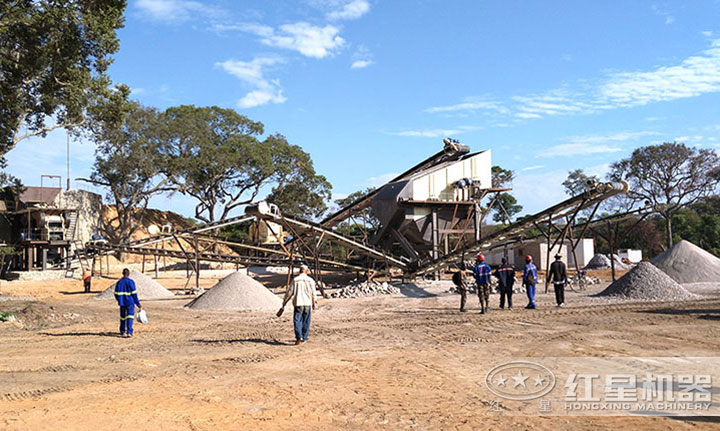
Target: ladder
(71, 229)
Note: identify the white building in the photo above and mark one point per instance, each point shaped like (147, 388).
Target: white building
(538, 250)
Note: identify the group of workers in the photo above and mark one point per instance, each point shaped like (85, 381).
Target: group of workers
(505, 275)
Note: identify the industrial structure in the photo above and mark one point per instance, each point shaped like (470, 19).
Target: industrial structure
(431, 216)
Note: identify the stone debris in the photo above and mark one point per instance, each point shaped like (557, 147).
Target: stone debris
(601, 261)
(687, 263)
(358, 288)
(646, 282)
(237, 291)
(147, 288)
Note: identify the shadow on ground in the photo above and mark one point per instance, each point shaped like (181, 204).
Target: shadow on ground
(82, 334)
(414, 291)
(700, 313)
(244, 340)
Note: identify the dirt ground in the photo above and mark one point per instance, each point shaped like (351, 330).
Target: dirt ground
(393, 362)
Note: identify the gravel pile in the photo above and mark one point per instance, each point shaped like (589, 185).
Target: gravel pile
(646, 282)
(600, 261)
(687, 263)
(365, 288)
(237, 291)
(147, 288)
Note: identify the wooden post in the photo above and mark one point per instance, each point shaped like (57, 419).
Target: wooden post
(611, 243)
(197, 263)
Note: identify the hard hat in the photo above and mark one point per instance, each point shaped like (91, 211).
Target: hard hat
(528, 257)
(480, 256)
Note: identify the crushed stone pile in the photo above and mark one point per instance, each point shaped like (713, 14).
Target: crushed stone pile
(601, 261)
(357, 289)
(646, 282)
(687, 263)
(237, 291)
(147, 288)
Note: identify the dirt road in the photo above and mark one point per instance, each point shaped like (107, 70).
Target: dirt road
(394, 362)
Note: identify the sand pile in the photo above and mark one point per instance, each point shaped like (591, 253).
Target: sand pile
(237, 291)
(646, 282)
(687, 263)
(147, 288)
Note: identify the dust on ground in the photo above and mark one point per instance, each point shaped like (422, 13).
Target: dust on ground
(408, 360)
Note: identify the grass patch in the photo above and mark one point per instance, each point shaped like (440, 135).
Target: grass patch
(6, 315)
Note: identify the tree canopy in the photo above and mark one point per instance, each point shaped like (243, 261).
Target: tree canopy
(669, 176)
(54, 56)
(577, 182)
(216, 156)
(128, 163)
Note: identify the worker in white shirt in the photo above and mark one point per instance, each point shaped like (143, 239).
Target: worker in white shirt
(304, 299)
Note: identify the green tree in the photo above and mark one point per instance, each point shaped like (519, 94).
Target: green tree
(577, 182)
(501, 177)
(54, 56)
(669, 176)
(511, 206)
(215, 155)
(128, 163)
(304, 198)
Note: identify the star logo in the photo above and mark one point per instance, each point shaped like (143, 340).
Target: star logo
(539, 380)
(500, 381)
(519, 379)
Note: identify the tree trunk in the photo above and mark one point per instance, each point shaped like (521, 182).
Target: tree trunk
(668, 228)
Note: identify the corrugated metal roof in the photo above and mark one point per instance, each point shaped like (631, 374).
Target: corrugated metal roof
(39, 194)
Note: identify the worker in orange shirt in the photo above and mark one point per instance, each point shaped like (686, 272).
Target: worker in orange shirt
(87, 278)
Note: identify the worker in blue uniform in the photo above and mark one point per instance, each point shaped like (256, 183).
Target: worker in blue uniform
(127, 299)
(482, 273)
(529, 280)
(506, 278)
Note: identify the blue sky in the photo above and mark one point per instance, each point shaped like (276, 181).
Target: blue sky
(370, 87)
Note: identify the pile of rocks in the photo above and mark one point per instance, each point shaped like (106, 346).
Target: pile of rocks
(600, 261)
(357, 289)
(646, 282)
(147, 288)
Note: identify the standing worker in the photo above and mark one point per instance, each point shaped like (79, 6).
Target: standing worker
(458, 279)
(87, 279)
(529, 280)
(506, 278)
(127, 299)
(304, 298)
(558, 276)
(482, 280)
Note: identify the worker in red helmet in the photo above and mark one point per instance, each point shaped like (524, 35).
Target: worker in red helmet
(482, 280)
(529, 280)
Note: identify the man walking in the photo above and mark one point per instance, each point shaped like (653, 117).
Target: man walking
(529, 280)
(458, 279)
(506, 278)
(127, 299)
(482, 280)
(87, 279)
(558, 276)
(304, 298)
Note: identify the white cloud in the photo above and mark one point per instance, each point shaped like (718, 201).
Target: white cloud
(362, 58)
(252, 73)
(696, 75)
(381, 179)
(307, 39)
(527, 184)
(352, 10)
(583, 149)
(669, 19)
(614, 137)
(533, 168)
(707, 33)
(435, 133)
(469, 104)
(361, 64)
(174, 11)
